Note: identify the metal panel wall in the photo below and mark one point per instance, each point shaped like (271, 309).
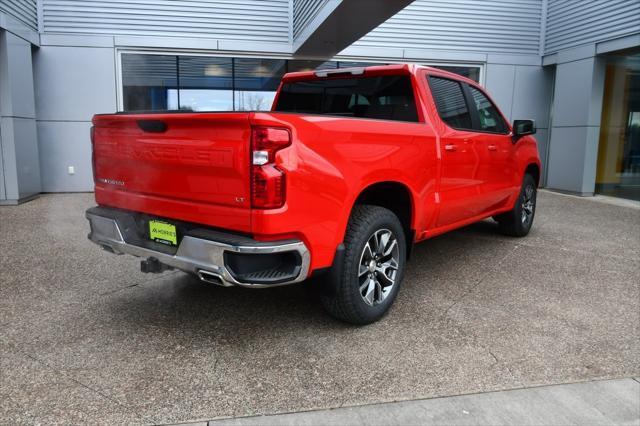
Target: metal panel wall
(303, 12)
(249, 20)
(504, 26)
(571, 23)
(25, 11)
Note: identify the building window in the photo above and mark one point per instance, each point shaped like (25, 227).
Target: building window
(472, 73)
(618, 167)
(147, 81)
(163, 82)
(205, 84)
(302, 65)
(256, 82)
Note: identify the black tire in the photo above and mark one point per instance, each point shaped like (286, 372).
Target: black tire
(518, 221)
(347, 302)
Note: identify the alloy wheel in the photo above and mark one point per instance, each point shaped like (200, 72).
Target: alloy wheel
(528, 204)
(378, 267)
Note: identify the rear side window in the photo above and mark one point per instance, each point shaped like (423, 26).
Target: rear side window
(451, 103)
(384, 97)
(490, 119)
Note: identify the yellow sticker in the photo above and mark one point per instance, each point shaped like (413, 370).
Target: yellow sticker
(163, 232)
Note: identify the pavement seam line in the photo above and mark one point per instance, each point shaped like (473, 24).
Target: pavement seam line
(525, 243)
(597, 198)
(480, 280)
(74, 380)
(520, 388)
(503, 364)
(490, 270)
(106, 293)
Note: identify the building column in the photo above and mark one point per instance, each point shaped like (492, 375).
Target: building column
(19, 160)
(575, 131)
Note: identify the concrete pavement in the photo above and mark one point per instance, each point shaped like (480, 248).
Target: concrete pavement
(606, 402)
(86, 338)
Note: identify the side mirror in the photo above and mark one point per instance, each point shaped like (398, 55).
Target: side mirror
(522, 128)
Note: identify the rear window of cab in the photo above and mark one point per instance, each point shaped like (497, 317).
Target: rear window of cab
(377, 97)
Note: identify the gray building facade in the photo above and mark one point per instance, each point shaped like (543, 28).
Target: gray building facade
(569, 65)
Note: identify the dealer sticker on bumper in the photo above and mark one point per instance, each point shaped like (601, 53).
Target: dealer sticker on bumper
(163, 232)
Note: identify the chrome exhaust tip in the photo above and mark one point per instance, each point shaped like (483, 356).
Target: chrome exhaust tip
(210, 277)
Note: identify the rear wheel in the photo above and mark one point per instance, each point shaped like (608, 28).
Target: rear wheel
(372, 268)
(518, 221)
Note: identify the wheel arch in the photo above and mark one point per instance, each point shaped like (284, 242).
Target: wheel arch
(534, 170)
(395, 196)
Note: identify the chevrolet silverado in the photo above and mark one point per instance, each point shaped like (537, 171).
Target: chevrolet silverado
(348, 170)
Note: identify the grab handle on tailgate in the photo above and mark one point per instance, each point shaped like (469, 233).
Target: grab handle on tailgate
(152, 126)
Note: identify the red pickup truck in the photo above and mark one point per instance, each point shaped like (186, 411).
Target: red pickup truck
(349, 170)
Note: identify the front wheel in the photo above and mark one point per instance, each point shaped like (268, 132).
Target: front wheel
(518, 221)
(372, 268)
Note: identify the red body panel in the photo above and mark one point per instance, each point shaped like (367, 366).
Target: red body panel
(198, 170)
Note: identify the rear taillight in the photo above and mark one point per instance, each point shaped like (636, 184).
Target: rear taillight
(92, 133)
(268, 189)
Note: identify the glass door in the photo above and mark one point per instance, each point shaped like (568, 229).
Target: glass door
(618, 171)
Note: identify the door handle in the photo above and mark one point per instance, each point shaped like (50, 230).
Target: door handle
(492, 148)
(450, 147)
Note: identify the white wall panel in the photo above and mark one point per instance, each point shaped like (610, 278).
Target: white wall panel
(252, 20)
(24, 11)
(64, 144)
(66, 91)
(505, 26)
(303, 13)
(571, 23)
(19, 148)
(500, 82)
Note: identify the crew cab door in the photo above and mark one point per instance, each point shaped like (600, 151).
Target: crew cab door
(460, 186)
(494, 146)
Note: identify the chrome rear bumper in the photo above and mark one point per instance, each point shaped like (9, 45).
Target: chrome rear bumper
(205, 257)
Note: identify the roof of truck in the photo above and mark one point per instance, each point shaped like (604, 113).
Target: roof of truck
(370, 70)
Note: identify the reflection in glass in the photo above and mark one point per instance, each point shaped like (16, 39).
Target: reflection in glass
(255, 83)
(201, 100)
(301, 65)
(618, 170)
(383, 97)
(450, 102)
(490, 118)
(353, 64)
(145, 81)
(253, 100)
(205, 83)
(472, 73)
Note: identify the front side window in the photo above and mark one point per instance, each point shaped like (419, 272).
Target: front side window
(384, 97)
(450, 102)
(490, 119)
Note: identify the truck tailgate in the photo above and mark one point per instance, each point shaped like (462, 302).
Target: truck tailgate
(187, 166)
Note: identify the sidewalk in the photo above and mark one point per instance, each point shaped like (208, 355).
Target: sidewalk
(606, 402)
